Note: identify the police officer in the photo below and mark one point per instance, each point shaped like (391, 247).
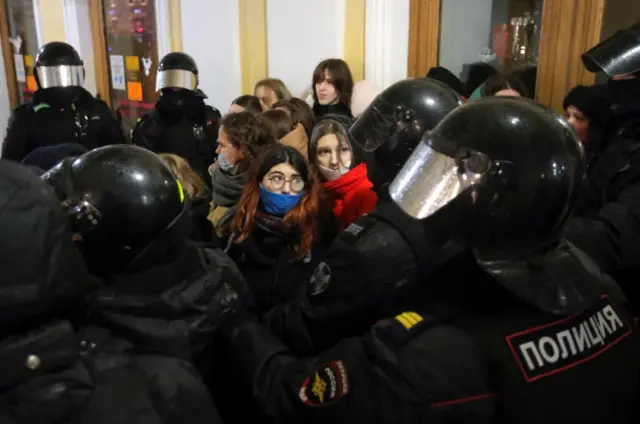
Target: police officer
(520, 327)
(360, 277)
(131, 221)
(61, 111)
(48, 374)
(607, 218)
(181, 123)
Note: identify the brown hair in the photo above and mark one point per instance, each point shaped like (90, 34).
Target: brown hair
(275, 84)
(190, 180)
(302, 220)
(248, 133)
(249, 103)
(341, 78)
(500, 82)
(279, 121)
(300, 111)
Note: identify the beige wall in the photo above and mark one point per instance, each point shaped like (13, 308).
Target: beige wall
(51, 20)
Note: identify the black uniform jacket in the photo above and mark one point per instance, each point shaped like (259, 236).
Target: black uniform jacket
(57, 116)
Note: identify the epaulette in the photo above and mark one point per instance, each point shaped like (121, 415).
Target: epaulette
(404, 327)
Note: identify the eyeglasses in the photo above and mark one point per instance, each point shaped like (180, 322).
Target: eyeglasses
(278, 181)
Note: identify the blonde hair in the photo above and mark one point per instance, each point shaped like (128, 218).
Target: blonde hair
(275, 84)
(190, 180)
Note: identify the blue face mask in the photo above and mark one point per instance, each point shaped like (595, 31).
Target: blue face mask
(277, 204)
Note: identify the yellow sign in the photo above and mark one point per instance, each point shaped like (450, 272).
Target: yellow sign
(133, 63)
(319, 387)
(28, 61)
(134, 91)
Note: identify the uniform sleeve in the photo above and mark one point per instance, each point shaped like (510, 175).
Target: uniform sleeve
(110, 129)
(611, 236)
(145, 133)
(438, 378)
(349, 291)
(16, 141)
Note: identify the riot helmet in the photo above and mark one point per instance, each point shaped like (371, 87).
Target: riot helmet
(125, 206)
(500, 173)
(617, 55)
(177, 71)
(58, 64)
(393, 124)
(43, 273)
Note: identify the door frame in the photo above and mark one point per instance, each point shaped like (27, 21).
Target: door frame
(100, 59)
(7, 55)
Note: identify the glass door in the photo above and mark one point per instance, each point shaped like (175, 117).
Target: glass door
(504, 34)
(132, 56)
(22, 37)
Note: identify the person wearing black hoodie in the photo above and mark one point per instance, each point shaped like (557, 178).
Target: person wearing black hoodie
(50, 373)
(61, 111)
(181, 123)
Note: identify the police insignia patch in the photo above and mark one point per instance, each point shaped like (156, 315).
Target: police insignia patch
(325, 385)
(320, 279)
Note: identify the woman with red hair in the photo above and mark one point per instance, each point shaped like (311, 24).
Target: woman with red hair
(277, 231)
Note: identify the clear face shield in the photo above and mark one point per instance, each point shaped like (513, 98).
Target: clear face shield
(60, 76)
(430, 180)
(617, 55)
(176, 78)
(375, 126)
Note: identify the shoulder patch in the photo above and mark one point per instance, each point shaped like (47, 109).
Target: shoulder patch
(355, 230)
(37, 108)
(320, 279)
(403, 327)
(325, 385)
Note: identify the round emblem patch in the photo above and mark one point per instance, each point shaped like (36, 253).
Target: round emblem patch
(320, 279)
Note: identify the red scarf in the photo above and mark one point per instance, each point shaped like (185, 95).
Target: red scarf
(352, 195)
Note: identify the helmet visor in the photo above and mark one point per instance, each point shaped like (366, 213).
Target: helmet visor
(176, 78)
(375, 126)
(617, 55)
(60, 76)
(428, 181)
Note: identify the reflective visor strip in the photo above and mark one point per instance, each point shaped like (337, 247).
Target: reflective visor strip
(427, 182)
(176, 78)
(60, 76)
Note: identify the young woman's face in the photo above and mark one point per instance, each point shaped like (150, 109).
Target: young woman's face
(267, 97)
(224, 146)
(579, 122)
(331, 154)
(283, 179)
(326, 91)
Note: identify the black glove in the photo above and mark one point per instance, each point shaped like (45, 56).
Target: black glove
(232, 309)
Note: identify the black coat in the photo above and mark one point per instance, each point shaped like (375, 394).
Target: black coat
(190, 131)
(49, 373)
(271, 266)
(58, 116)
(606, 219)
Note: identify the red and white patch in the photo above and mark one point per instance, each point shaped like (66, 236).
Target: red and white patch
(325, 385)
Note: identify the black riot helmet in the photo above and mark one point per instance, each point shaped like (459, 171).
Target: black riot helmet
(393, 124)
(501, 173)
(124, 203)
(178, 71)
(58, 64)
(617, 55)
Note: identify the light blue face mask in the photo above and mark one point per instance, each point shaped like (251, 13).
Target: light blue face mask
(225, 165)
(278, 204)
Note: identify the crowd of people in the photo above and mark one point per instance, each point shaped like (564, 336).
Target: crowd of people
(437, 251)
